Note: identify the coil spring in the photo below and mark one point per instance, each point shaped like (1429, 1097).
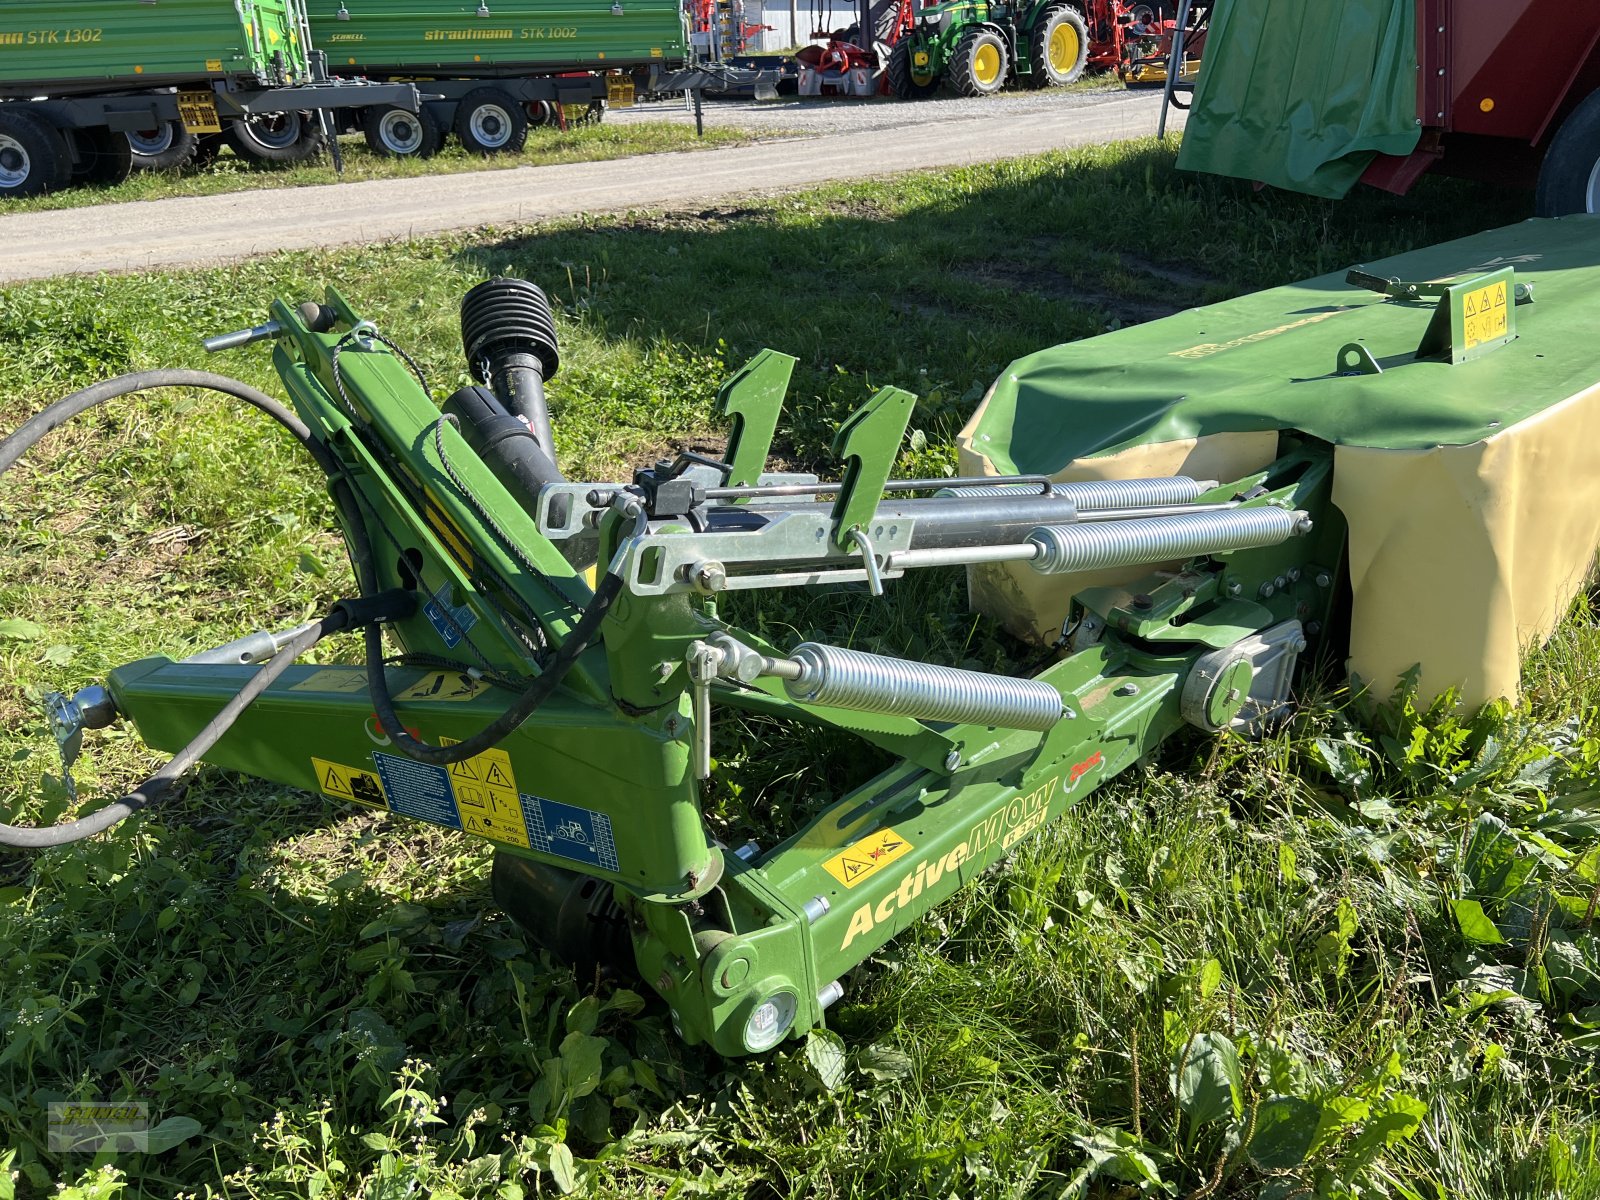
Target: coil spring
(873, 683)
(1064, 548)
(1097, 495)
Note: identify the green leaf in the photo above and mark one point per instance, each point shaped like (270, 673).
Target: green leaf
(628, 1003)
(580, 1058)
(1475, 924)
(59, 656)
(1207, 1079)
(562, 1169)
(1120, 1155)
(583, 1016)
(398, 918)
(19, 630)
(174, 1131)
(825, 1054)
(885, 1063)
(1286, 1126)
(1210, 977)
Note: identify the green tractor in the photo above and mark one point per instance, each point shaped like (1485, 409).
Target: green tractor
(976, 45)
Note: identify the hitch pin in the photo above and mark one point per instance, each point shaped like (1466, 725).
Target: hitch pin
(241, 337)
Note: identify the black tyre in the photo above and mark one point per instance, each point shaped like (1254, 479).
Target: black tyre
(1060, 47)
(1569, 179)
(33, 155)
(978, 67)
(490, 122)
(396, 133)
(284, 137)
(104, 157)
(167, 147)
(908, 79)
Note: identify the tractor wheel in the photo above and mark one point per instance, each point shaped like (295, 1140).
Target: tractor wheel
(1569, 179)
(104, 157)
(907, 79)
(978, 67)
(398, 133)
(284, 137)
(167, 147)
(1060, 47)
(490, 122)
(33, 154)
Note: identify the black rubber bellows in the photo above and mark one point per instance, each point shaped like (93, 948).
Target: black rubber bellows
(507, 316)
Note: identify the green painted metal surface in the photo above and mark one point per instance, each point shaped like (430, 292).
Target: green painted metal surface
(599, 779)
(146, 43)
(419, 36)
(1267, 361)
(1303, 96)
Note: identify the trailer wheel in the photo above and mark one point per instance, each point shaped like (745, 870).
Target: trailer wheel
(284, 137)
(490, 122)
(907, 79)
(33, 155)
(1060, 47)
(104, 157)
(978, 67)
(1569, 179)
(169, 146)
(398, 133)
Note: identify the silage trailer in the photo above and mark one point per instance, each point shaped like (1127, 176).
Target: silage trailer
(88, 87)
(490, 70)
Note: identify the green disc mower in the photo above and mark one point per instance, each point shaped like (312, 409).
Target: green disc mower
(1182, 513)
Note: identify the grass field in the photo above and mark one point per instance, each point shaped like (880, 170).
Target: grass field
(1352, 961)
(546, 145)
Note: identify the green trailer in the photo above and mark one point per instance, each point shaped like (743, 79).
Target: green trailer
(89, 89)
(492, 70)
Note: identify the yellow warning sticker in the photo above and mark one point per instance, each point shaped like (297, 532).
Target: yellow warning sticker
(486, 794)
(349, 783)
(444, 685)
(872, 853)
(1485, 313)
(334, 679)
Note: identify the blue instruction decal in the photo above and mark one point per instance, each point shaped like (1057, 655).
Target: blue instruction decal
(419, 790)
(576, 833)
(452, 623)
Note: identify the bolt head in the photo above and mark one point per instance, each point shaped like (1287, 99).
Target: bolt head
(1267, 591)
(1235, 588)
(952, 760)
(1323, 579)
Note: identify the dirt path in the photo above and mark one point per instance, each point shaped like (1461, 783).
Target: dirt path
(197, 230)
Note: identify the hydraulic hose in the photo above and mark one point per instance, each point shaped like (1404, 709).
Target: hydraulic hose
(581, 637)
(156, 788)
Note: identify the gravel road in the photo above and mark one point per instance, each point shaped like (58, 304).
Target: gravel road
(846, 140)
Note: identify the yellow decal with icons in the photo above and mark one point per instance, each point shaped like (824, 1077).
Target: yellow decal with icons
(444, 685)
(334, 679)
(349, 783)
(486, 795)
(867, 857)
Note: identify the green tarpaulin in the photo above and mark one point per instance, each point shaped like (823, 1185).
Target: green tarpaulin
(1303, 95)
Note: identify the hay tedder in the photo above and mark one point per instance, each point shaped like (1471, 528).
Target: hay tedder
(1394, 464)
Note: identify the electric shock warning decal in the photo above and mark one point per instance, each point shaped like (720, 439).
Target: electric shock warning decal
(868, 856)
(486, 796)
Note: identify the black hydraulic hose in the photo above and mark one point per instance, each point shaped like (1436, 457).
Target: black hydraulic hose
(159, 785)
(581, 637)
(156, 788)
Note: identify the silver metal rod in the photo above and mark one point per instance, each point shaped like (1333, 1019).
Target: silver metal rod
(1039, 483)
(958, 556)
(1164, 510)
